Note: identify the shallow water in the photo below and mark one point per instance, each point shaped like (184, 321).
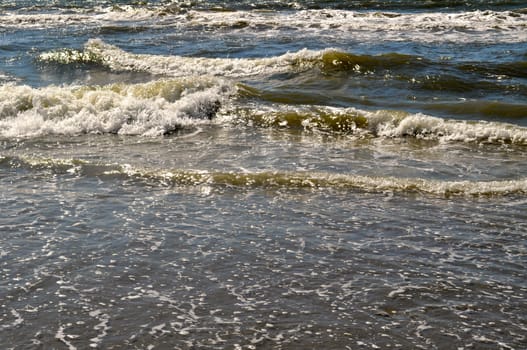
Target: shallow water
(282, 175)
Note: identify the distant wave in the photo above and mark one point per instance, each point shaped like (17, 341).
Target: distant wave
(270, 5)
(471, 26)
(272, 179)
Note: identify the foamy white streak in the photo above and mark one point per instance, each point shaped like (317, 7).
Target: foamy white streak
(122, 109)
(388, 124)
(177, 66)
(61, 336)
(363, 182)
(473, 26)
(102, 327)
(435, 26)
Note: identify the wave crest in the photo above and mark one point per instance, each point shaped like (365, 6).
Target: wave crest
(274, 179)
(383, 123)
(148, 109)
(328, 60)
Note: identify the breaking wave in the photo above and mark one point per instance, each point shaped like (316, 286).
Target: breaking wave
(98, 52)
(382, 123)
(149, 109)
(164, 106)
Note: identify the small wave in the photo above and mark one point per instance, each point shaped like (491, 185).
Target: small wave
(177, 66)
(462, 84)
(382, 123)
(512, 69)
(273, 179)
(149, 109)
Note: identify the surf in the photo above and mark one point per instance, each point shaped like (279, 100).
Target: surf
(271, 179)
(149, 109)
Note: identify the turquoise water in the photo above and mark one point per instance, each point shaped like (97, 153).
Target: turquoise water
(263, 175)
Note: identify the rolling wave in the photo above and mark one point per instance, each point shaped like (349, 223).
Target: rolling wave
(271, 179)
(164, 106)
(98, 52)
(414, 69)
(382, 123)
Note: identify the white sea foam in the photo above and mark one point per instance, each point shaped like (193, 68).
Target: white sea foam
(435, 26)
(102, 327)
(82, 17)
(143, 109)
(390, 124)
(480, 26)
(65, 338)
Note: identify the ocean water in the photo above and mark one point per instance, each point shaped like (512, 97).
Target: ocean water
(263, 174)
